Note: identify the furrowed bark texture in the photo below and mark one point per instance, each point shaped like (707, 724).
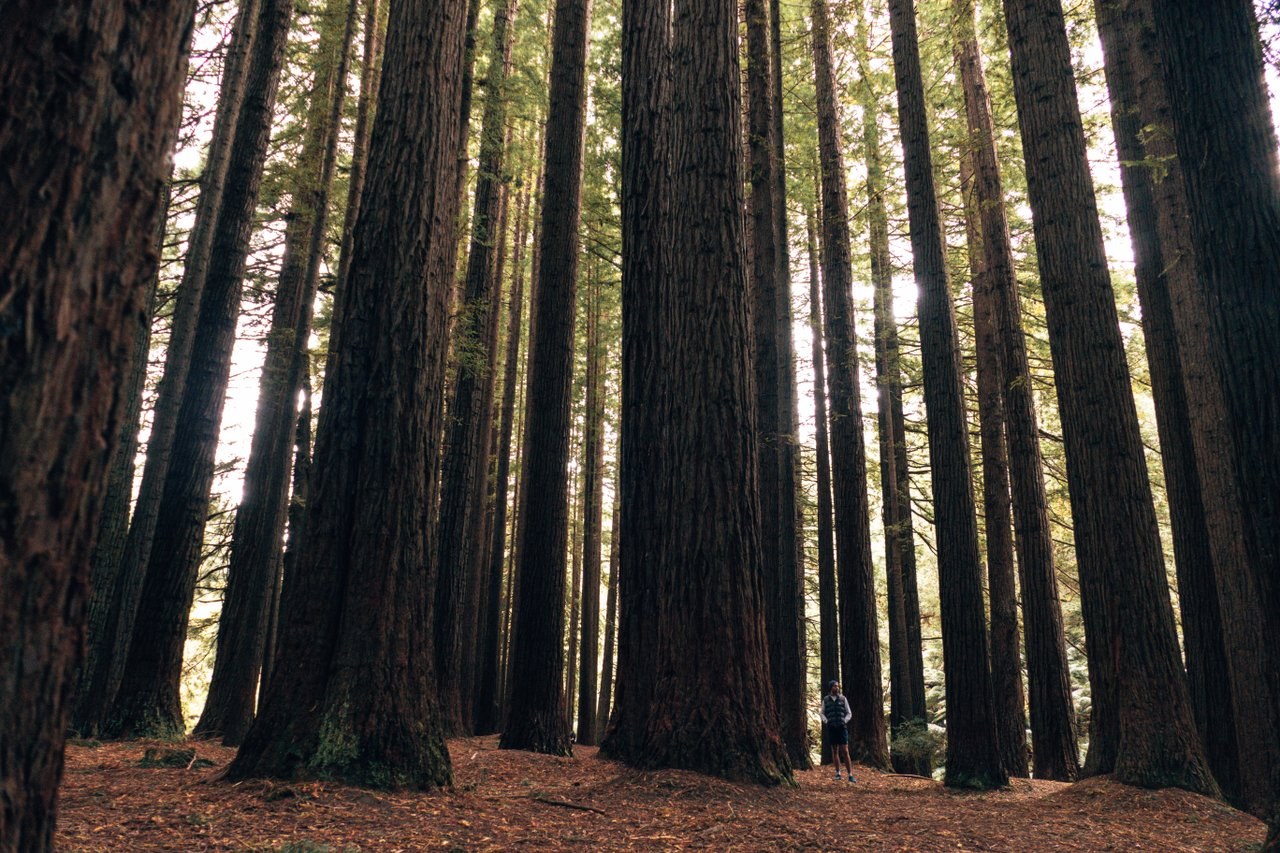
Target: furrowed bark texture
(538, 717)
(1226, 143)
(1142, 728)
(352, 696)
(972, 754)
(859, 632)
(89, 101)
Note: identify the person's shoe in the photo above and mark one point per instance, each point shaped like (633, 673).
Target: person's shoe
(837, 776)
(851, 779)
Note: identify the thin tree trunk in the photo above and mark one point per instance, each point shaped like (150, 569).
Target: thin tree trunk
(297, 530)
(85, 175)
(1223, 132)
(1002, 592)
(972, 752)
(488, 713)
(860, 636)
(593, 520)
(1053, 733)
(610, 623)
(148, 703)
(259, 527)
(538, 716)
(100, 684)
(1141, 725)
(360, 597)
(828, 621)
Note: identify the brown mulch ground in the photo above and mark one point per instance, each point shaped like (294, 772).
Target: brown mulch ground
(521, 801)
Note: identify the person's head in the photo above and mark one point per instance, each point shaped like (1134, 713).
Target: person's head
(833, 687)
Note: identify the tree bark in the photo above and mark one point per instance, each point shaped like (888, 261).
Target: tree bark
(466, 446)
(259, 527)
(972, 749)
(1226, 143)
(610, 625)
(86, 170)
(593, 521)
(1053, 732)
(149, 703)
(783, 602)
(334, 707)
(538, 716)
(860, 635)
(1002, 594)
(1141, 727)
(828, 621)
(100, 682)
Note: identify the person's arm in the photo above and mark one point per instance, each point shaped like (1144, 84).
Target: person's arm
(848, 714)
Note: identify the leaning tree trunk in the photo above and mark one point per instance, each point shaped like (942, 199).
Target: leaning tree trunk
(1213, 74)
(110, 639)
(466, 441)
(972, 754)
(783, 604)
(1142, 727)
(259, 527)
(538, 717)
(859, 632)
(1207, 526)
(334, 708)
(149, 703)
(1053, 732)
(828, 621)
(86, 170)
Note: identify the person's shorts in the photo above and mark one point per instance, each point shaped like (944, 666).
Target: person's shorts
(838, 735)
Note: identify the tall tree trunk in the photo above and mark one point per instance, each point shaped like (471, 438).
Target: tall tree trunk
(299, 499)
(466, 443)
(86, 171)
(488, 711)
(1002, 592)
(610, 623)
(100, 682)
(828, 621)
(791, 522)
(1053, 734)
(646, 71)
(538, 717)
(360, 597)
(906, 661)
(972, 754)
(1142, 728)
(712, 712)
(769, 287)
(1222, 128)
(576, 496)
(593, 521)
(259, 527)
(860, 635)
(889, 381)
(149, 703)
(465, 96)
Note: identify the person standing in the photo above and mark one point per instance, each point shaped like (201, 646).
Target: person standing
(836, 714)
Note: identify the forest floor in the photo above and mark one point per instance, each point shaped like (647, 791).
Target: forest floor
(505, 800)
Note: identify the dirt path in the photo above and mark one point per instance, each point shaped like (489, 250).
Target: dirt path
(520, 801)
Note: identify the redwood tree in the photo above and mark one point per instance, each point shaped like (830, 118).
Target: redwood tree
(84, 134)
(537, 715)
(1141, 727)
(352, 694)
(1226, 142)
(972, 755)
(859, 632)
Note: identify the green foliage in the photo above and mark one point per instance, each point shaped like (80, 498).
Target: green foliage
(916, 743)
